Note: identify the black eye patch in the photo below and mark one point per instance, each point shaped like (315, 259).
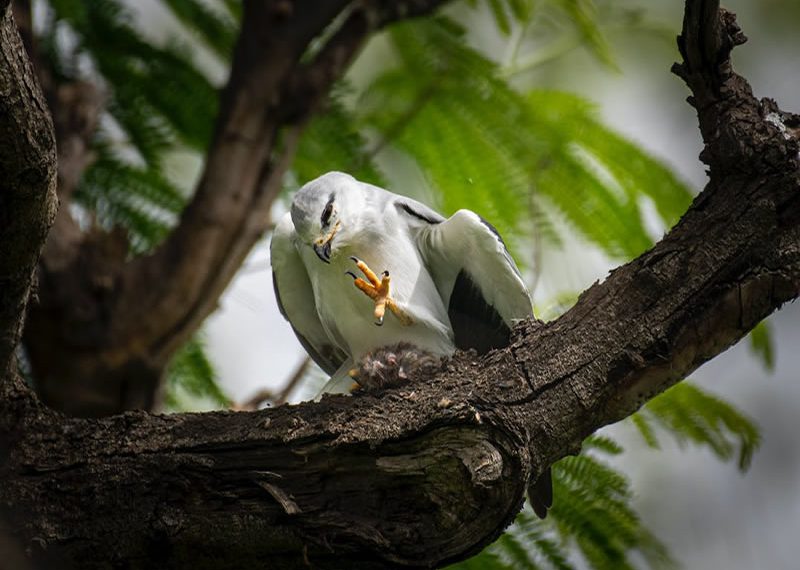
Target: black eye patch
(325, 218)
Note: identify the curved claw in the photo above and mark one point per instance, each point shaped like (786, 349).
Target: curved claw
(351, 274)
(379, 322)
(354, 258)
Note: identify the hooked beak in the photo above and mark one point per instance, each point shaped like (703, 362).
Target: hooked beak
(323, 251)
(322, 246)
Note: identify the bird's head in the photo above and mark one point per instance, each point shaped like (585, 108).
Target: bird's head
(323, 212)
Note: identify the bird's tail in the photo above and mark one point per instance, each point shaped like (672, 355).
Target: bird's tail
(340, 383)
(540, 493)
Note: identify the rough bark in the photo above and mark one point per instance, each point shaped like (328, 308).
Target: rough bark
(106, 327)
(431, 472)
(27, 182)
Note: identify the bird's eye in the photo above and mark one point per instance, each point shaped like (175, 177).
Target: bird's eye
(325, 218)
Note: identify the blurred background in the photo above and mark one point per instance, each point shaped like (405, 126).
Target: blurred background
(560, 122)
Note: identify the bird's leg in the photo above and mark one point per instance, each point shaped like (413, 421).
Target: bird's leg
(378, 290)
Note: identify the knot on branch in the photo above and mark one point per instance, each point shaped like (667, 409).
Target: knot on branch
(732, 34)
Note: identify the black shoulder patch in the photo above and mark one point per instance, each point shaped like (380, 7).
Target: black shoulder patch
(476, 324)
(492, 229)
(417, 214)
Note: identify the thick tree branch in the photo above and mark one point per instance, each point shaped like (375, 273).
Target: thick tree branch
(28, 202)
(75, 107)
(429, 473)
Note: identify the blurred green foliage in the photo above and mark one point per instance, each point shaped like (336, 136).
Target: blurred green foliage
(521, 158)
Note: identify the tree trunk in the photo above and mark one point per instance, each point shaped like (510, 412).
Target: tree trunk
(27, 182)
(427, 474)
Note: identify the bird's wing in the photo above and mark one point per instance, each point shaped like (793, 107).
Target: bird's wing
(483, 291)
(476, 278)
(296, 298)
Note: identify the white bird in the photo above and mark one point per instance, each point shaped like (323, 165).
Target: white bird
(447, 283)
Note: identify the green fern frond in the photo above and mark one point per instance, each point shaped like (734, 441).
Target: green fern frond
(166, 85)
(144, 229)
(603, 444)
(634, 170)
(61, 61)
(76, 12)
(332, 141)
(528, 531)
(545, 228)
(485, 147)
(234, 8)
(176, 90)
(139, 199)
(596, 178)
(584, 17)
(568, 184)
(158, 102)
(454, 120)
(511, 552)
(191, 373)
(149, 85)
(592, 507)
(214, 27)
(146, 132)
(762, 346)
(689, 414)
(646, 430)
(486, 560)
(521, 9)
(501, 15)
(553, 553)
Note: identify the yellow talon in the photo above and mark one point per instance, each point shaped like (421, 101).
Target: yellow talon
(378, 290)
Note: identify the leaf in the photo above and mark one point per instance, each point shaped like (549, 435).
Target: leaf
(503, 12)
(646, 430)
(691, 415)
(151, 87)
(485, 147)
(191, 372)
(592, 506)
(501, 18)
(454, 120)
(762, 346)
(602, 443)
(521, 9)
(583, 15)
(597, 179)
(332, 141)
(158, 102)
(139, 199)
(214, 27)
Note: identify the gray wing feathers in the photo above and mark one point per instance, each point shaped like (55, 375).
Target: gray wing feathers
(464, 245)
(296, 298)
